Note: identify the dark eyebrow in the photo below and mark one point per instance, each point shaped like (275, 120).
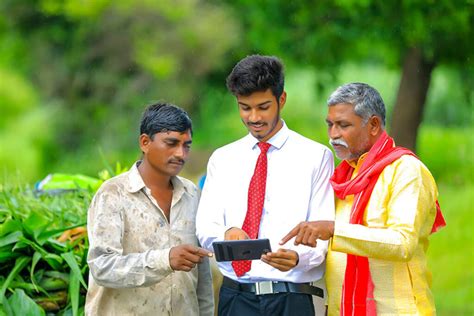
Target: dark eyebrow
(176, 140)
(171, 139)
(260, 104)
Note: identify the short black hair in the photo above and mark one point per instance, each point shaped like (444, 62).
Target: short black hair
(257, 73)
(163, 117)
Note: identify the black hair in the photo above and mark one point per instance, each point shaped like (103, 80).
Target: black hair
(257, 73)
(163, 117)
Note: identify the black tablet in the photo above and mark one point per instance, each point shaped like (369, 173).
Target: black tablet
(234, 250)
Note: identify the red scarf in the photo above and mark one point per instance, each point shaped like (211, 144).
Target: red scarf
(358, 288)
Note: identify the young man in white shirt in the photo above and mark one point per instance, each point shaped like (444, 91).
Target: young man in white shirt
(295, 174)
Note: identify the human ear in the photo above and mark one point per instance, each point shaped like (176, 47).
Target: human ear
(375, 125)
(282, 100)
(144, 140)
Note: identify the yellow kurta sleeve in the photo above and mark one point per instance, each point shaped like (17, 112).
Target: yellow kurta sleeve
(400, 212)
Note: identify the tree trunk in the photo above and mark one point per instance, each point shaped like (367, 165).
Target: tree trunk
(411, 97)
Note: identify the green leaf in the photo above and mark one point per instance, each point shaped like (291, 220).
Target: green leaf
(36, 223)
(22, 304)
(74, 287)
(58, 275)
(10, 238)
(71, 261)
(53, 284)
(36, 258)
(20, 263)
(29, 287)
(47, 234)
(10, 225)
(8, 255)
(53, 260)
(5, 308)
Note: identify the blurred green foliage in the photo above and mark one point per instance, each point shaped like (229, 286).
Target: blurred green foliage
(450, 254)
(96, 64)
(76, 75)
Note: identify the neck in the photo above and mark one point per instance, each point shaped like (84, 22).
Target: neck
(278, 127)
(152, 178)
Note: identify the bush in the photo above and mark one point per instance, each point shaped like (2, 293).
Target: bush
(43, 250)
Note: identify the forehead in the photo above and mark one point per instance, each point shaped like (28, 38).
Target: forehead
(257, 97)
(341, 111)
(173, 135)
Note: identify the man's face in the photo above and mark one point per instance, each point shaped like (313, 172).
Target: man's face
(167, 152)
(348, 134)
(260, 112)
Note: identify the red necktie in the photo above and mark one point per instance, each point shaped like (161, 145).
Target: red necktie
(256, 197)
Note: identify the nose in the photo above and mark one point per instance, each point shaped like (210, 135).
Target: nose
(181, 152)
(333, 132)
(254, 115)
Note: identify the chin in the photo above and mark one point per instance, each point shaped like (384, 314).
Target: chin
(257, 136)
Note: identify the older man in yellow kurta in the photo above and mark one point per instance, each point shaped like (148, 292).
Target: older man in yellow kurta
(386, 208)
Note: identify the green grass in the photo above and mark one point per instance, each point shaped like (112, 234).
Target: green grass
(448, 153)
(451, 252)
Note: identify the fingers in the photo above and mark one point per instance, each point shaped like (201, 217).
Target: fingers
(235, 233)
(185, 257)
(184, 265)
(301, 232)
(309, 238)
(294, 232)
(279, 266)
(201, 252)
(283, 259)
(305, 233)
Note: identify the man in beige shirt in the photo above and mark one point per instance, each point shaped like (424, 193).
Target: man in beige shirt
(144, 257)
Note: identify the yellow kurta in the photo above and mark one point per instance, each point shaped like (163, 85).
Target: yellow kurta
(394, 236)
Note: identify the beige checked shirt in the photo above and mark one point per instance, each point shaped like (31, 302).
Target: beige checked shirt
(130, 239)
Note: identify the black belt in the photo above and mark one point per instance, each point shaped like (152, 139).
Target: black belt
(273, 287)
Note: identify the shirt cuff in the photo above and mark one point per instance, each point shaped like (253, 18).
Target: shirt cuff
(310, 257)
(159, 260)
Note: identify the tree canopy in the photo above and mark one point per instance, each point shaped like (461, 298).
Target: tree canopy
(414, 35)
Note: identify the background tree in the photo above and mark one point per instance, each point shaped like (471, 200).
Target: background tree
(412, 34)
(98, 63)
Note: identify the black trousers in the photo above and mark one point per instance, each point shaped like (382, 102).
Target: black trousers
(236, 303)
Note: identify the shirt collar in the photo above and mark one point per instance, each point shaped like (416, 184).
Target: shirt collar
(277, 140)
(135, 182)
(357, 163)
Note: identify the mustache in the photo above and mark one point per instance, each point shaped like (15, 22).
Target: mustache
(255, 123)
(176, 161)
(339, 142)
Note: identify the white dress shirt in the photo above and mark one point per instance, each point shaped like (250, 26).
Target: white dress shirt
(297, 189)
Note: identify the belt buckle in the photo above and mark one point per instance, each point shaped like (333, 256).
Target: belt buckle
(264, 287)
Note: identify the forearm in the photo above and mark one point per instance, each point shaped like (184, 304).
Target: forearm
(380, 243)
(111, 269)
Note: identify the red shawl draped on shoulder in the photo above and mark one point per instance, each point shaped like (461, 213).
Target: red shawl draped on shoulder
(358, 288)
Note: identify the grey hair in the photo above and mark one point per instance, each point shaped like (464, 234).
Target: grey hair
(365, 99)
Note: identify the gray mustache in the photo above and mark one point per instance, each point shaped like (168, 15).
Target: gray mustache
(339, 142)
